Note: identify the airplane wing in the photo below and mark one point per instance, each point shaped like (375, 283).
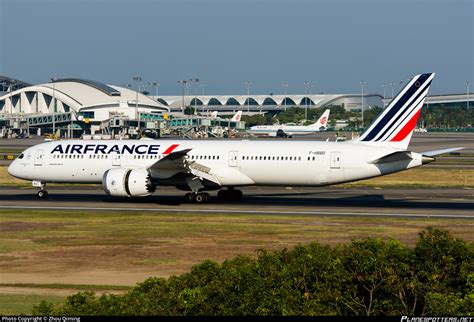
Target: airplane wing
(438, 152)
(406, 155)
(176, 162)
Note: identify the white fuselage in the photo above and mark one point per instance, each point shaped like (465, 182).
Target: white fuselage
(233, 163)
(290, 130)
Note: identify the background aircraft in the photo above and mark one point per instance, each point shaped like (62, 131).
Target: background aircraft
(291, 130)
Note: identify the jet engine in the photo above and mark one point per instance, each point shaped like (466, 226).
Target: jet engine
(121, 182)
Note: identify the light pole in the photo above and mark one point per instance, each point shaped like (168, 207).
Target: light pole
(183, 85)
(285, 86)
(54, 79)
(202, 94)
(155, 85)
(306, 85)
(467, 93)
(195, 80)
(248, 83)
(362, 83)
(137, 79)
(392, 84)
(11, 88)
(384, 87)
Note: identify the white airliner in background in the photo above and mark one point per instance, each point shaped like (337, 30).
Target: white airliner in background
(236, 118)
(134, 168)
(286, 130)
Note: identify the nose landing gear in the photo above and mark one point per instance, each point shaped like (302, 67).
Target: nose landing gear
(42, 193)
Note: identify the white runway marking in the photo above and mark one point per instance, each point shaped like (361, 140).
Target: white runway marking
(230, 211)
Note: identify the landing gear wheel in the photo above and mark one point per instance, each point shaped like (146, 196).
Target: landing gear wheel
(42, 194)
(202, 197)
(190, 197)
(222, 195)
(199, 198)
(206, 196)
(229, 195)
(236, 194)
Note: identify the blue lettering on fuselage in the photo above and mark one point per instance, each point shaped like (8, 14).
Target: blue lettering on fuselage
(105, 149)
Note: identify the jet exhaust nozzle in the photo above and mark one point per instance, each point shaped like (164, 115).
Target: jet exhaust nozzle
(426, 159)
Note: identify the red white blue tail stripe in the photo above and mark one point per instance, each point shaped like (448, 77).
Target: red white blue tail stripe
(397, 122)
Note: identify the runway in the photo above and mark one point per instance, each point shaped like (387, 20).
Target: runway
(332, 201)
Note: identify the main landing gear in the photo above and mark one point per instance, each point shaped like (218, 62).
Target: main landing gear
(224, 195)
(229, 195)
(42, 193)
(199, 197)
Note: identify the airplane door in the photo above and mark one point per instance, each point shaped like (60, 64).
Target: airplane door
(116, 159)
(39, 157)
(233, 158)
(335, 160)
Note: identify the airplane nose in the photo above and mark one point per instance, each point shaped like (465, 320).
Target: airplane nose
(13, 169)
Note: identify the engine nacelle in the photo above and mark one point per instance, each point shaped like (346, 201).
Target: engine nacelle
(121, 182)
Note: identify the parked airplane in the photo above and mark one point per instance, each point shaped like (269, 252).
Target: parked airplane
(133, 168)
(291, 130)
(236, 117)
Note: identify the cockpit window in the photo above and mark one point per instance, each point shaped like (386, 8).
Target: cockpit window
(21, 156)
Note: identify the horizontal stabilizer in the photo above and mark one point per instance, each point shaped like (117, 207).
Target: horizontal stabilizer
(394, 157)
(439, 152)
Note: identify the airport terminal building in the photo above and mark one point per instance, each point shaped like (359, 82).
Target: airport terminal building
(228, 104)
(83, 103)
(85, 106)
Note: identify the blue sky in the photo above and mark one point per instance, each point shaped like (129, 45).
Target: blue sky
(333, 44)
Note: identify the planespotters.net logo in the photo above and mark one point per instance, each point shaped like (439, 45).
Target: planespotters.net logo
(436, 319)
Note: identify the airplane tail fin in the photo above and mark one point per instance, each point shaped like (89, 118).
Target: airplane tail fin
(322, 122)
(394, 127)
(236, 117)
